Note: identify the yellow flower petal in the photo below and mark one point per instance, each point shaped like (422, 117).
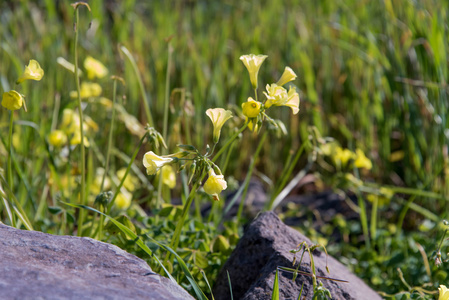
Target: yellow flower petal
(123, 200)
(361, 161)
(168, 176)
(251, 108)
(12, 100)
(32, 72)
(94, 68)
(214, 184)
(57, 138)
(218, 116)
(444, 293)
(276, 95)
(287, 76)
(252, 63)
(153, 162)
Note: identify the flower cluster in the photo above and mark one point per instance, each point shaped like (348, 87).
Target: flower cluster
(70, 130)
(342, 156)
(275, 94)
(199, 164)
(94, 69)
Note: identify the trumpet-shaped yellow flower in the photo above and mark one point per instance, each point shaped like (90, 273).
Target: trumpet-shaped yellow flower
(252, 63)
(168, 176)
(12, 100)
(276, 95)
(87, 90)
(123, 200)
(444, 293)
(154, 162)
(215, 184)
(287, 76)
(32, 72)
(251, 108)
(94, 68)
(361, 161)
(218, 116)
(292, 100)
(57, 138)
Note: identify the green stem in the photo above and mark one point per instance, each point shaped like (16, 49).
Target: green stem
(373, 227)
(108, 151)
(141, 86)
(126, 173)
(175, 240)
(363, 219)
(248, 177)
(231, 139)
(11, 124)
(83, 150)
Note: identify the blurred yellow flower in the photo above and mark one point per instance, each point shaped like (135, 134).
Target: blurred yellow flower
(251, 108)
(252, 63)
(276, 95)
(123, 200)
(328, 148)
(76, 139)
(57, 138)
(12, 100)
(287, 76)
(87, 90)
(168, 176)
(218, 116)
(154, 162)
(130, 180)
(214, 184)
(32, 72)
(444, 292)
(94, 68)
(361, 161)
(342, 156)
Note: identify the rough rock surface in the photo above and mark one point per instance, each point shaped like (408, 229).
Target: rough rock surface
(35, 265)
(266, 245)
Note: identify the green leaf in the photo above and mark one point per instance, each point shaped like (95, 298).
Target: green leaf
(275, 295)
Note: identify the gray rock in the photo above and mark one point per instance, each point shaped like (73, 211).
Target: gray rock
(35, 265)
(266, 245)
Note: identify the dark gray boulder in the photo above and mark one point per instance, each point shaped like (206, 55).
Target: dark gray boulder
(35, 265)
(266, 245)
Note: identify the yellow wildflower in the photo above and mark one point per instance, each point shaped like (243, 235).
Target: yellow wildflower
(123, 200)
(444, 292)
(361, 161)
(252, 63)
(154, 162)
(251, 108)
(218, 116)
(276, 95)
(87, 90)
(12, 100)
(32, 72)
(168, 176)
(214, 184)
(342, 156)
(287, 76)
(129, 180)
(57, 138)
(94, 68)
(76, 139)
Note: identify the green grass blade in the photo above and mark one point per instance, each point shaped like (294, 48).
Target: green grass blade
(275, 295)
(230, 285)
